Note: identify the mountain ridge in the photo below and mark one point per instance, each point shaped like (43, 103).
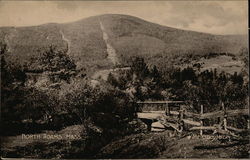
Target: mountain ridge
(100, 15)
(128, 35)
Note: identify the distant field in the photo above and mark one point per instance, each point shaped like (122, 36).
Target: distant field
(221, 63)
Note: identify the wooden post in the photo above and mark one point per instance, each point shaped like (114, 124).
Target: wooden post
(225, 123)
(201, 121)
(181, 123)
(219, 118)
(248, 124)
(181, 115)
(224, 117)
(222, 106)
(167, 110)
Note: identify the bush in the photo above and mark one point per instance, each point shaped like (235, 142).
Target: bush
(81, 99)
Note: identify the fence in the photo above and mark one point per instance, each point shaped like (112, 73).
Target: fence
(185, 117)
(222, 126)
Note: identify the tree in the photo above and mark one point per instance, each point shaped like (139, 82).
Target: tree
(237, 79)
(139, 67)
(3, 48)
(12, 78)
(112, 80)
(188, 74)
(56, 62)
(155, 74)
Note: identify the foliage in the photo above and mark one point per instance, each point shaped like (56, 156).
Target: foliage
(21, 104)
(55, 60)
(80, 99)
(3, 48)
(209, 88)
(59, 65)
(139, 67)
(245, 58)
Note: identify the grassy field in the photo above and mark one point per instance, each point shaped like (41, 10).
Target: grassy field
(221, 63)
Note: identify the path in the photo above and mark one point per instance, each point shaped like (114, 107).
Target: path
(67, 41)
(112, 56)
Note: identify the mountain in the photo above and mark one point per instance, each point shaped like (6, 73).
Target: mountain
(100, 42)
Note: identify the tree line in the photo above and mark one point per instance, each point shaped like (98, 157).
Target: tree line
(208, 87)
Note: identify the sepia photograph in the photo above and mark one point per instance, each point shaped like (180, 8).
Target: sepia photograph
(124, 79)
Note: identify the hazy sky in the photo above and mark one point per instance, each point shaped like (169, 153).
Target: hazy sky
(217, 17)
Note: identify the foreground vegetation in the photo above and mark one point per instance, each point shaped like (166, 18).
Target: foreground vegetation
(64, 98)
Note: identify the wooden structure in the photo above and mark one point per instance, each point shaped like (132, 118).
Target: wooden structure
(177, 119)
(167, 108)
(222, 126)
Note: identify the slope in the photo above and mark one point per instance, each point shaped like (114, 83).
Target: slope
(127, 35)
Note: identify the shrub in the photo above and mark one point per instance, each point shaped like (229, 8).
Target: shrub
(84, 101)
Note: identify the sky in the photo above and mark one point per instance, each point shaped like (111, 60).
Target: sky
(216, 17)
